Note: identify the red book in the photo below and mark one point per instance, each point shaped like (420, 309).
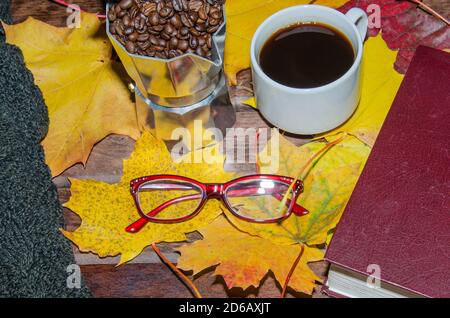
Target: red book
(398, 217)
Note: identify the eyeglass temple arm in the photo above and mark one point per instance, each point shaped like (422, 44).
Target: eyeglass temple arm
(137, 226)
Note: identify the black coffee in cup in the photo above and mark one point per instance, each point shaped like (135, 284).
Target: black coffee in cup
(306, 55)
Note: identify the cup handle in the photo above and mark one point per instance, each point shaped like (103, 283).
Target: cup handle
(359, 18)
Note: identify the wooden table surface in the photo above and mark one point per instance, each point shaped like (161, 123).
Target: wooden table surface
(146, 276)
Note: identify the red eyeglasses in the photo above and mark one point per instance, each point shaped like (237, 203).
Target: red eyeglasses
(255, 198)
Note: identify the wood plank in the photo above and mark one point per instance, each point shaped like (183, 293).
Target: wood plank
(49, 11)
(157, 280)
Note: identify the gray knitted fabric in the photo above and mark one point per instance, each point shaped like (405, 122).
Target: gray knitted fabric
(4, 11)
(4, 16)
(33, 254)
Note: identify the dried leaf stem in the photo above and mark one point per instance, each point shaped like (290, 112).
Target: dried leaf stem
(301, 174)
(283, 202)
(430, 10)
(194, 289)
(291, 271)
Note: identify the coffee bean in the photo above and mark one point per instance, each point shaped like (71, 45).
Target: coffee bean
(201, 41)
(143, 30)
(128, 30)
(216, 14)
(154, 32)
(119, 28)
(166, 28)
(194, 31)
(177, 5)
(133, 36)
(213, 29)
(154, 18)
(193, 16)
(160, 6)
(193, 42)
(183, 45)
(207, 8)
(185, 5)
(185, 20)
(173, 44)
(213, 21)
(195, 5)
(130, 47)
(125, 4)
(183, 34)
(183, 37)
(200, 51)
(111, 15)
(184, 31)
(143, 45)
(126, 20)
(121, 39)
(112, 28)
(133, 12)
(160, 55)
(143, 37)
(165, 36)
(154, 40)
(139, 23)
(176, 21)
(148, 7)
(172, 54)
(162, 42)
(202, 13)
(201, 27)
(165, 12)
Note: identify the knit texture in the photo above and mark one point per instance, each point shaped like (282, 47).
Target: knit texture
(4, 16)
(34, 256)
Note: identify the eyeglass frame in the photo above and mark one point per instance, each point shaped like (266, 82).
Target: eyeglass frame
(214, 191)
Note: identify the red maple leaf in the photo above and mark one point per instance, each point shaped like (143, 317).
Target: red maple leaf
(404, 26)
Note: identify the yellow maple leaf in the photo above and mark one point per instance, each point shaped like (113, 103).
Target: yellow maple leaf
(244, 260)
(379, 87)
(83, 88)
(107, 209)
(243, 18)
(328, 187)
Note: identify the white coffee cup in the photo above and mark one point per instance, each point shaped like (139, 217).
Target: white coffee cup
(312, 110)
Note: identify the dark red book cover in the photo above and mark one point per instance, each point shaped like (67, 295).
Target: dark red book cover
(399, 213)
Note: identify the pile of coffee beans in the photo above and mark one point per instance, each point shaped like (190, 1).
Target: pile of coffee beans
(166, 28)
